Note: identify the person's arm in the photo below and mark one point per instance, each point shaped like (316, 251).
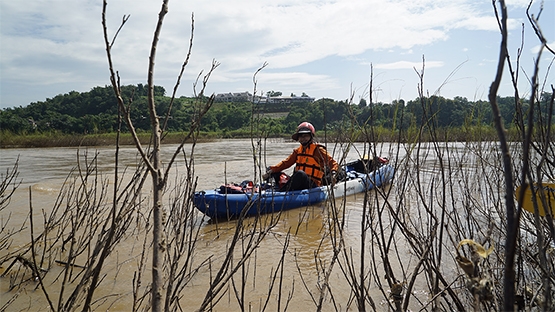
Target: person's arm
(330, 162)
(286, 163)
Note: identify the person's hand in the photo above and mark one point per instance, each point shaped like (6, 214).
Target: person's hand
(267, 175)
(333, 178)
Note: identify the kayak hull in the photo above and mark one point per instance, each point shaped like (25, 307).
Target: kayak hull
(528, 204)
(221, 205)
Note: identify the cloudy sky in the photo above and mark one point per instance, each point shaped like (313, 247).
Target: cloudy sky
(324, 48)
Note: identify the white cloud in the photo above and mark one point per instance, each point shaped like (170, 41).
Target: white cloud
(518, 3)
(60, 42)
(536, 49)
(409, 65)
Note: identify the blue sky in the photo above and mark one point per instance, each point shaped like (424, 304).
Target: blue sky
(324, 48)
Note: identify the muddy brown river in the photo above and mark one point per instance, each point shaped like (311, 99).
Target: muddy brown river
(288, 269)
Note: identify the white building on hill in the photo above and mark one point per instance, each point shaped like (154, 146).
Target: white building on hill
(247, 97)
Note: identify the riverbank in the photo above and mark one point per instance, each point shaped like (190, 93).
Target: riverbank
(8, 140)
(56, 139)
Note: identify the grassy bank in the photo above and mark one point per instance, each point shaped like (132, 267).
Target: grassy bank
(375, 134)
(9, 140)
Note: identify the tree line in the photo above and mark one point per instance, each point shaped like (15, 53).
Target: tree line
(96, 111)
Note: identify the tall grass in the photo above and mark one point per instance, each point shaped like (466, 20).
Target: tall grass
(57, 139)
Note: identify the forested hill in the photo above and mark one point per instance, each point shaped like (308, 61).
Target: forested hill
(96, 112)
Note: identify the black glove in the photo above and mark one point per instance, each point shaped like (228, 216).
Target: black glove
(267, 175)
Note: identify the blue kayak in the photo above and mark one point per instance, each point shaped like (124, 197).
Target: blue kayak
(226, 203)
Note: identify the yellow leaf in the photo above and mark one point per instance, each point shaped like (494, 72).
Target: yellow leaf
(466, 265)
(479, 248)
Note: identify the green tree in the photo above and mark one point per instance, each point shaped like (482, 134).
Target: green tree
(273, 93)
(362, 103)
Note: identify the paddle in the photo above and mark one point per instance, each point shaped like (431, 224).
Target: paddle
(528, 204)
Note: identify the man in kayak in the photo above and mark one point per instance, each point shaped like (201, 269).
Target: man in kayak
(311, 161)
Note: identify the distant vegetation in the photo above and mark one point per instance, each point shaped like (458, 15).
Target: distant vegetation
(95, 113)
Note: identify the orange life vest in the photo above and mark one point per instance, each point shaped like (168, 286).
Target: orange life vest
(307, 162)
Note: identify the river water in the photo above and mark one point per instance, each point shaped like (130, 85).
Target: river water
(307, 232)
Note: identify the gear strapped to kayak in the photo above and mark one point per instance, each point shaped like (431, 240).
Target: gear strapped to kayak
(245, 187)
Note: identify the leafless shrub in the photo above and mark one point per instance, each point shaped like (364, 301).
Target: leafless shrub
(8, 185)
(78, 233)
(434, 240)
(447, 234)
